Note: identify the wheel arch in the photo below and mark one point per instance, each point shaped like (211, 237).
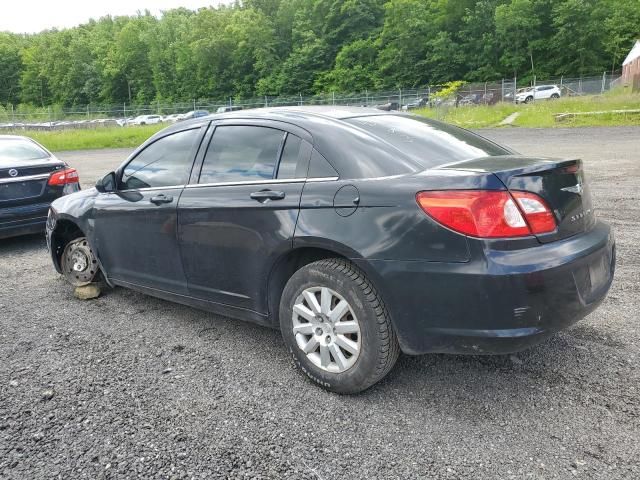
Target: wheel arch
(293, 260)
(64, 231)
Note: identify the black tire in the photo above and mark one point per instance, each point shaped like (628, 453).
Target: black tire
(555, 96)
(528, 100)
(379, 344)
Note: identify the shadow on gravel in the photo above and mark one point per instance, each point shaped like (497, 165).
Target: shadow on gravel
(22, 244)
(561, 362)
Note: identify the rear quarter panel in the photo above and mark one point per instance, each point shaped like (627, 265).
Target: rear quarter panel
(386, 223)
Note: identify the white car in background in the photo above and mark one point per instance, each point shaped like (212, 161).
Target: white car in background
(146, 120)
(173, 118)
(540, 92)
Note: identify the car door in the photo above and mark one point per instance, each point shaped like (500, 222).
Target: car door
(543, 92)
(135, 226)
(239, 213)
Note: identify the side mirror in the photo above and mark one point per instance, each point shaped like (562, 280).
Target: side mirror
(107, 183)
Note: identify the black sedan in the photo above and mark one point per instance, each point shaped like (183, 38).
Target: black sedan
(359, 233)
(30, 179)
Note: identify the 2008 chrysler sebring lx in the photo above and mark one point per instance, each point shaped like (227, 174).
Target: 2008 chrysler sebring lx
(359, 233)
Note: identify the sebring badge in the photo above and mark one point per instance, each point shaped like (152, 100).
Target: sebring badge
(13, 172)
(577, 188)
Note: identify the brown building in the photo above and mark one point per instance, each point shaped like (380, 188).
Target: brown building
(631, 68)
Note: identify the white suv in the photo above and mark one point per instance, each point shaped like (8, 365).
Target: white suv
(540, 92)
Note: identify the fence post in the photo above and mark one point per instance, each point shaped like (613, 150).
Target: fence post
(13, 115)
(194, 104)
(604, 80)
(124, 110)
(561, 80)
(400, 97)
(515, 87)
(333, 98)
(266, 102)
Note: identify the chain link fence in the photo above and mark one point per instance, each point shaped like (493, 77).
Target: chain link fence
(469, 94)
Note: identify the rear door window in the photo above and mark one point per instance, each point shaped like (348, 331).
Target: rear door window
(241, 153)
(289, 166)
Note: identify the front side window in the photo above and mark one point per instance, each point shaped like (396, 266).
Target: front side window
(241, 153)
(164, 163)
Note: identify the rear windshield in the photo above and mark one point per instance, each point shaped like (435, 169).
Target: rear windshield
(429, 143)
(16, 150)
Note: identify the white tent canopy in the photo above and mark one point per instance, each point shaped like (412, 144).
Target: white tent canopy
(633, 54)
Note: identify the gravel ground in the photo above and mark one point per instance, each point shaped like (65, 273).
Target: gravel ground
(130, 386)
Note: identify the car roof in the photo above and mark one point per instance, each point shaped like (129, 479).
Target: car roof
(353, 151)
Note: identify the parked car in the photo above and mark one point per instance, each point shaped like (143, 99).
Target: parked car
(471, 99)
(146, 120)
(228, 108)
(31, 177)
(550, 92)
(359, 233)
(417, 103)
(389, 106)
(194, 114)
(173, 118)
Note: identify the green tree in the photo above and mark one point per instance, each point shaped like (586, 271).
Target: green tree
(10, 68)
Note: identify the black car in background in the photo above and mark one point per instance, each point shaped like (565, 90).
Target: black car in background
(359, 233)
(30, 179)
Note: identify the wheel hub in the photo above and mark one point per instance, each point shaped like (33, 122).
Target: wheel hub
(79, 261)
(326, 329)
(79, 265)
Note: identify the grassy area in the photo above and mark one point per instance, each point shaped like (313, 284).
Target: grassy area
(538, 114)
(107, 137)
(542, 113)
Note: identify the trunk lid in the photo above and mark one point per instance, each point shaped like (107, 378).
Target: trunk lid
(27, 182)
(560, 183)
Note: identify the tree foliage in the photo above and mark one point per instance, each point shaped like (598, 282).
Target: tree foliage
(291, 47)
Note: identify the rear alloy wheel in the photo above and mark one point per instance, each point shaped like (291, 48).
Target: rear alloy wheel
(555, 96)
(326, 329)
(79, 264)
(528, 100)
(337, 327)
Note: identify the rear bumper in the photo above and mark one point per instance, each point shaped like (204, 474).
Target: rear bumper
(500, 302)
(23, 220)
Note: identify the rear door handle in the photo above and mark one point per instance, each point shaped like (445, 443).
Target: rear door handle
(162, 198)
(264, 195)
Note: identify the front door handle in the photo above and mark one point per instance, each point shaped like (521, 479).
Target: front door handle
(264, 195)
(162, 198)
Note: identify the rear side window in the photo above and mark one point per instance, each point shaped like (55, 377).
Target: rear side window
(166, 162)
(319, 167)
(241, 153)
(15, 151)
(428, 143)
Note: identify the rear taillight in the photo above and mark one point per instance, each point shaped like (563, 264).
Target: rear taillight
(488, 213)
(64, 177)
